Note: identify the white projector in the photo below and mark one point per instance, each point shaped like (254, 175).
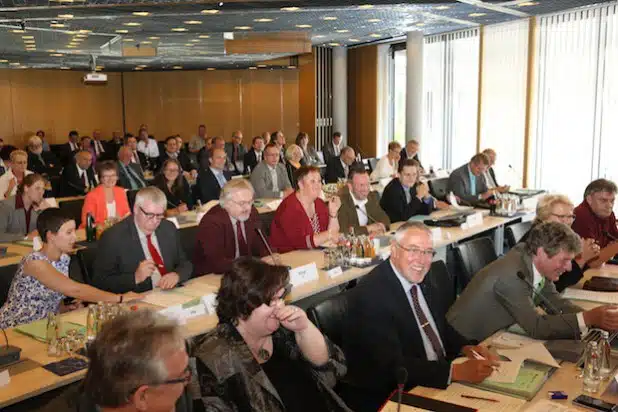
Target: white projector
(95, 79)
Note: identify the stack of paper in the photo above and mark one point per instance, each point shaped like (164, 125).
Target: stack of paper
(591, 296)
(504, 403)
(167, 298)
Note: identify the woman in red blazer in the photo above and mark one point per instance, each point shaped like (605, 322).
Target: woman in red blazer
(303, 220)
(106, 200)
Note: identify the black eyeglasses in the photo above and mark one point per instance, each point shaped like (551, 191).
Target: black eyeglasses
(286, 291)
(188, 374)
(151, 216)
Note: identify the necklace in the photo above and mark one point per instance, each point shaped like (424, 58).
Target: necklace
(263, 354)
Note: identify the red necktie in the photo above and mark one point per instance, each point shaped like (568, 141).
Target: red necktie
(156, 257)
(243, 250)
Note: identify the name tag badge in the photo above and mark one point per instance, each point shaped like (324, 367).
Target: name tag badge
(304, 274)
(210, 303)
(334, 272)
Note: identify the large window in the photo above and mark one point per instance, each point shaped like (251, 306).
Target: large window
(399, 94)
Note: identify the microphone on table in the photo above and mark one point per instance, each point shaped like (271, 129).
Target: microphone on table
(610, 236)
(402, 377)
(366, 214)
(521, 179)
(548, 303)
(270, 251)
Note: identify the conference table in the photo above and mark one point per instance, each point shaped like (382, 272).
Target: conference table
(29, 379)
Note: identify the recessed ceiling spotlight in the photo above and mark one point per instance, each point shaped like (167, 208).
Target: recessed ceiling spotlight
(194, 40)
(374, 20)
(177, 67)
(142, 65)
(303, 26)
(442, 7)
(71, 46)
(145, 42)
(365, 6)
(154, 38)
(141, 13)
(291, 67)
(261, 65)
(132, 24)
(342, 31)
(65, 68)
(179, 29)
(334, 44)
(252, 68)
(528, 3)
(204, 36)
(56, 55)
(375, 35)
(18, 31)
(85, 31)
(262, 20)
(210, 11)
(243, 27)
(477, 14)
(354, 40)
(329, 18)
(4, 61)
(122, 31)
(189, 44)
(193, 22)
(290, 8)
(56, 25)
(211, 68)
(65, 16)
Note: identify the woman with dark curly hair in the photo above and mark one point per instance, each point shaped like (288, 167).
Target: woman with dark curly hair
(264, 355)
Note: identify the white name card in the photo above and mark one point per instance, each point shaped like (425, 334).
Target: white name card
(174, 221)
(334, 272)
(436, 233)
(304, 274)
(5, 378)
(475, 219)
(440, 173)
(210, 303)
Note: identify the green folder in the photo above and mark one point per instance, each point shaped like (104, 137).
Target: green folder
(38, 329)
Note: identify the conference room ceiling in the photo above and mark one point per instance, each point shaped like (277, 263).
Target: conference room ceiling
(190, 34)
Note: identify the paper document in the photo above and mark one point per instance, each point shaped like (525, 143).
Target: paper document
(508, 340)
(590, 295)
(505, 403)
(452, 199)
(166, 298)
(197, 289)
(549, 406)
(506, 372)
(273, 205)
(536, 352)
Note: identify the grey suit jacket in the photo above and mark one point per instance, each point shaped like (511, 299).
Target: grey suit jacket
(262, 181)
(119, 253)
(13, 222)
(328, 150)
(459, 184)
(496, 298)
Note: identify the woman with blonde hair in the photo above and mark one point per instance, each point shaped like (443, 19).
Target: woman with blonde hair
(293, 157)
(15, 174)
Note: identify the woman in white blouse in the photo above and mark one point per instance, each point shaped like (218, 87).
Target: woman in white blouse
(387, 166)
(107, 200)
(14, 176)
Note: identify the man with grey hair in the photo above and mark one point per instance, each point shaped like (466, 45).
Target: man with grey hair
(504, 289)
(396, 320)
(138, 362)
(339, 167)
(130, 174)
(142, 251)
(594, 217)
(228, 230)
(39, 161)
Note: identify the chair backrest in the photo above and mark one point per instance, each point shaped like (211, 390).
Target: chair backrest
(187, 240)
(473, 256)
(74, 209)
(6, 277)
(328, 316)
(439, 188)
(439, 270)
(85, 258)
(131, 198)
(267, 219)
(373, 162)
(514, 233)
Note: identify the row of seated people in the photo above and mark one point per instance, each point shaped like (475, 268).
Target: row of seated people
(546, 253)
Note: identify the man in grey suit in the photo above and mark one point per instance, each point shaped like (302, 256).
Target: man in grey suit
(333, 148)
(142, 251)
(130, 174)
(497, 297)
(269, 178)
(467, 182)
(235, 152)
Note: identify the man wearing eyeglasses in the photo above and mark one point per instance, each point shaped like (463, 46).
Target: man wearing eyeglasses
(396, 319)
(138, 362)
(594, 217)
(143, 251)
(228, 230)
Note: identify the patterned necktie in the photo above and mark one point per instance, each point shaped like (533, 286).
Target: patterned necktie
(425, 325)
(156, 257)
(243, 250)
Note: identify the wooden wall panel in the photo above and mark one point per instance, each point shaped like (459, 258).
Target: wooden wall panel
(307, 94)
(57, 102)
(363, 99)
(253, 101)
(6, 109)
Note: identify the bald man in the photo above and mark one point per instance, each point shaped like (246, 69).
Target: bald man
(78, 177)
(235, 152)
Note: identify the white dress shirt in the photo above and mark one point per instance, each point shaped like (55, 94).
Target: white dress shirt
(83, 172)
(149, 148)
(111, 209)
(362, 213)
(98, 147)
(489, 181)
(6, 178)
(156, 276)
(275, 179)
(74, 146)
(337, 149)
(258, 156)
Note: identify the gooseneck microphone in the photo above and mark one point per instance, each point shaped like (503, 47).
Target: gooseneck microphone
(366, 214)
(549, 305)
(276, 261)
(402, 378)
(610, 236)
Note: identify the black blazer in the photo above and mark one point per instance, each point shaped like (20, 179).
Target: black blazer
(207, 187)
(394, 203)
(404, 155)
(115, 263)
(380, 335)
(250, 161)
(66, 153)
(49, 166)
(123, 178)
(178, 197)
(71, 184)
(114, 147)
(335, 171)
(184, 160)
(492, 173)
(292, 174)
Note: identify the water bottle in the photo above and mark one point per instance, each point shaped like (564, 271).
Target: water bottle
(91, 324)
(91, 231)
(52, 335)
(592, 372)
(605, 360)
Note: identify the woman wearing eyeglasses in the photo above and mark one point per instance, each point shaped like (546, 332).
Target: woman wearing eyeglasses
(14, 176)
(388, 164)
(106, 201)
(558, 208)
(264, 355)
(177, 191)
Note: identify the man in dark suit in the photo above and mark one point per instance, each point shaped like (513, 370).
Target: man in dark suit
(137, 157)
(70, 148)
(254, 155)
(142, 251)
(210, 180)
(78, 178)
(332, 149)
(235, 152)
(100, 148)
(228, 230)
(278, 138)
(130, 175)
(116, 143)
(43, 163)
(411, 152)
(339, 167)
(360, 207)
(467, 182)
(396, 319)
(172, 151)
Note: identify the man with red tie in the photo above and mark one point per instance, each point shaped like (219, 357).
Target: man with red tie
(228, 230)
(143, 251)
